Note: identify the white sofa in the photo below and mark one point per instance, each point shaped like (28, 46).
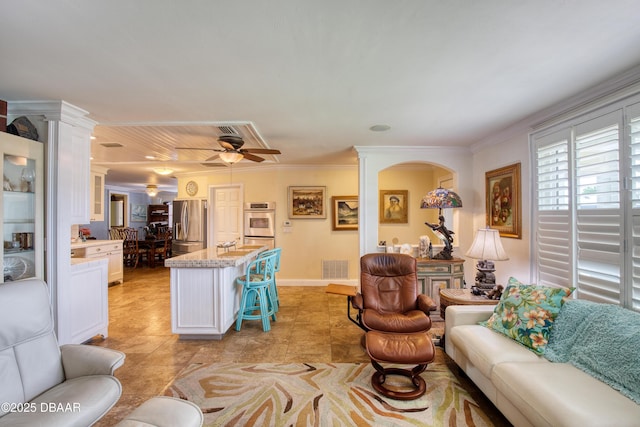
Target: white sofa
(528, 389)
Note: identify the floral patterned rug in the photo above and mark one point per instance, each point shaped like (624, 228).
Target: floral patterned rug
(320, 394)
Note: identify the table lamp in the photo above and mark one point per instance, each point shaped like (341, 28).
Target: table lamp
(486, 248)
(441, 198)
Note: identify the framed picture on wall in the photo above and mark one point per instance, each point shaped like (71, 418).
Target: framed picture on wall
(345, 212)
(138, 213)
(306, 202)
(393, 206)
(503, 201)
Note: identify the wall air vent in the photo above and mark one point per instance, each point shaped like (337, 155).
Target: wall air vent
(112, 144)
(335, 269)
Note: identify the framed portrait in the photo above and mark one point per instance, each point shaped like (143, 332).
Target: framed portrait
(504, 209)
(345, 212)
(307, 202)
(394, 206)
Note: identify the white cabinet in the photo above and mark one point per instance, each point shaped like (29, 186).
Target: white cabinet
(96, 195)
(86, 305)
(21, 208)
(110, 249)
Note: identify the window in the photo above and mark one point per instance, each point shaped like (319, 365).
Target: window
(587, 221)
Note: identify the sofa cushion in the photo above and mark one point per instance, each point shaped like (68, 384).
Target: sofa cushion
(537, 390)
(77, 402)
(601, 339)
(526, 313)
(486, 348)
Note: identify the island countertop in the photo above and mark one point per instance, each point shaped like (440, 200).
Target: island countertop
(214, 257)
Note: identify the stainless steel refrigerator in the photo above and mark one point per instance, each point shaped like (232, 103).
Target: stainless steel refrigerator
(189, 226)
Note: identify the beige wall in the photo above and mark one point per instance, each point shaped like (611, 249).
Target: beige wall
(312, 240)
(512, 150)
(418, 179)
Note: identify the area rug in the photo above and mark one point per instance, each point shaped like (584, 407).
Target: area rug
(319, 394)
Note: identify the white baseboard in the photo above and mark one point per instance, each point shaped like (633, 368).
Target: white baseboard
(315, 282)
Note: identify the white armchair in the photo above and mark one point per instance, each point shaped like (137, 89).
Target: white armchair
(40, 382)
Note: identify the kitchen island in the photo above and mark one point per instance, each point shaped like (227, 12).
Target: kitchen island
(204, 295)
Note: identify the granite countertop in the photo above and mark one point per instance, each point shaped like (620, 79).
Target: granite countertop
(214, 258)
(89, 243)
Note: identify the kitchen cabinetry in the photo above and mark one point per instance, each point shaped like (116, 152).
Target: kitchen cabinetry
(436, 274)
(21, 213)
(110, 249)
(85, 311)
(96, 195)
(158, 215)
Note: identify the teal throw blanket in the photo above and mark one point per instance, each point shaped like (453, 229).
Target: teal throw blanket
(603, 340)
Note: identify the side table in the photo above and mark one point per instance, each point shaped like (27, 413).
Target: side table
(462, 297)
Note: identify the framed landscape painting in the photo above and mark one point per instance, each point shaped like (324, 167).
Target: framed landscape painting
(345, 212)
(503, 198)
(306, 202)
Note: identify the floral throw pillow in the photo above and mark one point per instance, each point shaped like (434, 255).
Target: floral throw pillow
(526, 313)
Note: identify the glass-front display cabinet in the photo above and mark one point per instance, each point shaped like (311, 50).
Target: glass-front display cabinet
(22, 208)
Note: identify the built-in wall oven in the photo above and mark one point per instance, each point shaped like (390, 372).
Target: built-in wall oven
(260, 224)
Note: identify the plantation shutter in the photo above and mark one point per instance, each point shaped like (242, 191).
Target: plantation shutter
(553, 249)
(599, 220)
(633, 114)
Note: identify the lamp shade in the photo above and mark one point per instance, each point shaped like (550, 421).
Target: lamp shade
(231, 157)
(441, 198)
(487, 245)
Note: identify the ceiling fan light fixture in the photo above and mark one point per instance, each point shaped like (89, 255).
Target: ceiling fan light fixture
(231, 157)
(152, 190)
(163, 171)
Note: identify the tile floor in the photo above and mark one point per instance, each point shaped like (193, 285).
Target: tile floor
(311, 326)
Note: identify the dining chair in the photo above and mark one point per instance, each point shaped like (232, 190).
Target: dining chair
(162, 252)
(116, 234)
(130, 248)
(256, 296)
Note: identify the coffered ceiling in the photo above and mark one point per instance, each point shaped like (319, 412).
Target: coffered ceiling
(309, 77)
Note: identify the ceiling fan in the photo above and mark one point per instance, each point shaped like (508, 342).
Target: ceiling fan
(232, 151)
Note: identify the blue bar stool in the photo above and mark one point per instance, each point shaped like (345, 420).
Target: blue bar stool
(274, 288)
(256, 293)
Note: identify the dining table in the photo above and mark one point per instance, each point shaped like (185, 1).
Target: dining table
(150, 246)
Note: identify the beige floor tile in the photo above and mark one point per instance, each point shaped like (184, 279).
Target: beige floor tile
(311, 326)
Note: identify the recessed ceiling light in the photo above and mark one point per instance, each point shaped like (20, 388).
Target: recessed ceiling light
(149, 157)
(379, 128)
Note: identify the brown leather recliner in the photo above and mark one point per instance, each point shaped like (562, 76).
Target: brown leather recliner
(389, 299)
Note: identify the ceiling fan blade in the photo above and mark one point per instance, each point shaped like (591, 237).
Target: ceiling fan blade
(212, 158)
(225, 145)
(251, 157)
(261, 151)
